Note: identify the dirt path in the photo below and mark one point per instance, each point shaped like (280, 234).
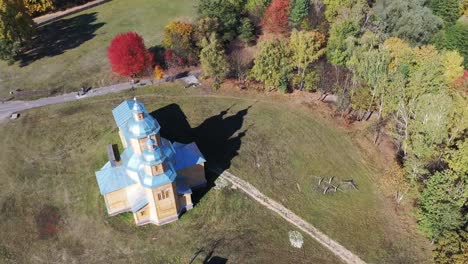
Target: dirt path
(340, 251)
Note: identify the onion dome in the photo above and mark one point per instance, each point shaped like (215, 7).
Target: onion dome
(142, 128)
(154, 155)
(150, 143)
(137, 109)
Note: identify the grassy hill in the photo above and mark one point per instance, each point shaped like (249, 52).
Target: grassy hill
(72, 51)
(50, 155)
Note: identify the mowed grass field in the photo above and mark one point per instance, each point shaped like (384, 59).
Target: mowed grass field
(72, 51)
(50, 154)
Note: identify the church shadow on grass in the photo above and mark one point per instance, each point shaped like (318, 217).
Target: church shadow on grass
(56, 37)
(219, 138)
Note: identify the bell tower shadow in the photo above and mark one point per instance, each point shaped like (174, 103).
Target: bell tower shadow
(218, 137)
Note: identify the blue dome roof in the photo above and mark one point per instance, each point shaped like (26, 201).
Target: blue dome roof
(150, 143)
(137, 108)
(157, 155)
(142, 128)
(166, 177)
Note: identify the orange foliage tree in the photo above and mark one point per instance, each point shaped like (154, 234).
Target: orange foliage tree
(158, 72)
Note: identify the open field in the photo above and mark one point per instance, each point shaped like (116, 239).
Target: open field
(72, 51)
(50, 154)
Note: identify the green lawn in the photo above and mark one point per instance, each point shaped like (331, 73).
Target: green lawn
(49, 156)
(72, 51)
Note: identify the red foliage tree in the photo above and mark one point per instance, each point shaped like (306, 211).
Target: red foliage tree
(173, 60)
(462, 82)
(128, 56)
(276, 16)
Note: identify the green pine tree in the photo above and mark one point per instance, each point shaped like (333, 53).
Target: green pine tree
(454, 37)
(448, 10)
(246, 31)
(213, 61)
(299, 11)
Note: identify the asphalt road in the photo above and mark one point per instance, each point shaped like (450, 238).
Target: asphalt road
(10, 107)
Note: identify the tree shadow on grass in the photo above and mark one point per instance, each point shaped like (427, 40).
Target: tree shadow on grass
(55, 38)
(219, 137)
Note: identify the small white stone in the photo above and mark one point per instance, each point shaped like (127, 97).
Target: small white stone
(296, 239)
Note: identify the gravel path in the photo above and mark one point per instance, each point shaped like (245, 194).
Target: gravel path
(340, 251)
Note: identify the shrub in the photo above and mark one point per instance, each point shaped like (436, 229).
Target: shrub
(158, 72)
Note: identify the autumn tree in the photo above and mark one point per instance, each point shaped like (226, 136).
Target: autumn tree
(299, 12)
(34, 7)
(158, 72)
(178, 36)
(16, 28)
(276, 17)
(128, 56)
(272, 64)
(423, 105)
(213, 60)
(306, 48)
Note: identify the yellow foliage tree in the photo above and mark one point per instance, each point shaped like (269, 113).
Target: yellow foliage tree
(38, 6)
(158, 72)
(178, 33)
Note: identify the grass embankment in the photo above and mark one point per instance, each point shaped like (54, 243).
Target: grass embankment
(50, 154)
(72, 51)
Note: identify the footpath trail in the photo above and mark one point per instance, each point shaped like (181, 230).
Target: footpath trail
(9, 107)
(340, 251)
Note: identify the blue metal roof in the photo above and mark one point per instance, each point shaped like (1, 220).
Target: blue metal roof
(139, 204)
(182, 186)
(111, 179)
(142, 128)
(115, 178)
(123, 112)
(187, 156)
(164, 178)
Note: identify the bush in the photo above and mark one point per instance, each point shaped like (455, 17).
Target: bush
(158, 72)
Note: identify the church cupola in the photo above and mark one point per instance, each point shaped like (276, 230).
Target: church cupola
(150, 143)
(137, 110)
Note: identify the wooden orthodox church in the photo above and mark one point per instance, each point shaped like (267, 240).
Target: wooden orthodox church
(154, 177)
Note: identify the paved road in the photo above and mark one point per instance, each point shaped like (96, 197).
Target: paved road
(9, 107)
(60, 14)
(340, 251)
